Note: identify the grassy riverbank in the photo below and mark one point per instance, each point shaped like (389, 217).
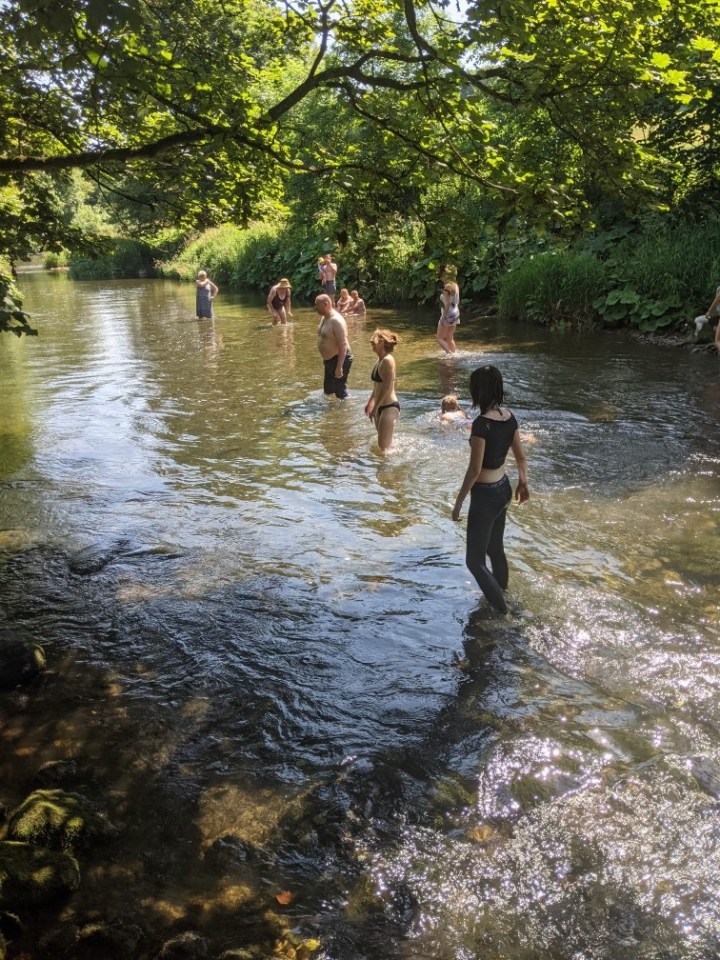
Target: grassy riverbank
(652, 278)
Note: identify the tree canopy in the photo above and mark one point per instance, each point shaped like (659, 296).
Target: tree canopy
(196, 112)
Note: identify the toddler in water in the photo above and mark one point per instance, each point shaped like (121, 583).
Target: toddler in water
(451, 411)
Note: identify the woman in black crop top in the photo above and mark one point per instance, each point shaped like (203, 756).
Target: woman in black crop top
(383, 407)
(494, 433)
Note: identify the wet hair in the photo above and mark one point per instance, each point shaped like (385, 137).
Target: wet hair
(486, 388)
(450, 403)
(388, 338)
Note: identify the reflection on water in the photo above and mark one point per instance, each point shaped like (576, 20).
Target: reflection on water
(283, 618)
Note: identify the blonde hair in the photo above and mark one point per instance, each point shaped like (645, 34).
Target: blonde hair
(389, 338)
(450, 404)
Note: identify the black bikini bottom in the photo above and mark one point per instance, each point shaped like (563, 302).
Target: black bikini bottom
(386, 406)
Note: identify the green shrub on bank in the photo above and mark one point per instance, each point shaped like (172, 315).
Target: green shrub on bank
(552, 288)
(119, 260)
(386, 266)
(662, 277)
(656, 277)
(55, 259)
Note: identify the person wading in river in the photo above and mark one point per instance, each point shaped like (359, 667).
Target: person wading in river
(205, 293)
(332, 334)
(383, 406)
(494, 432)
(279, 301)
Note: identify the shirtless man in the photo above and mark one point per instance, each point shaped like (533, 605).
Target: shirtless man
(329, 273)
(334, 347)
(357, 304)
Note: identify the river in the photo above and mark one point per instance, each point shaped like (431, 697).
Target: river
(266, 649)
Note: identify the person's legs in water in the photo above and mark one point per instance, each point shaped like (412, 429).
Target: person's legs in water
(441, 337)
(488, 506)
(385, 421)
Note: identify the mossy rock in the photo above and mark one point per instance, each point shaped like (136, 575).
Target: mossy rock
(58, 820)
(20, 662)
(29, 875)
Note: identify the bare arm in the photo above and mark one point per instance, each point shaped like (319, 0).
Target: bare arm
(270, 298)
(343, 347)
(213, 290)
(522, 494)
(477, 452)
(712, 306)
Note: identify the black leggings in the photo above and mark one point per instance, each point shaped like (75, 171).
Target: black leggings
(485, 531)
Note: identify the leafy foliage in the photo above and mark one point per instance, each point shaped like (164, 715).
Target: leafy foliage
(400, 136)
(12, 317)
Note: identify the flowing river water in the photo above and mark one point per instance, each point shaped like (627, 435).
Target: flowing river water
(270, 664)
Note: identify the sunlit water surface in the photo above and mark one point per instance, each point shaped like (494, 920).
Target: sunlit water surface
(293, 654)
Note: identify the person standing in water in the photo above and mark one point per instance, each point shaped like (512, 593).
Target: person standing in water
(449, 316)
(205, 293)
(329, 274)
(334, 348)
(383, 406)
(279, 301)
(493, 433)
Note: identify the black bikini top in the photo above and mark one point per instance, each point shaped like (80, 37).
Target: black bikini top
(375, 375)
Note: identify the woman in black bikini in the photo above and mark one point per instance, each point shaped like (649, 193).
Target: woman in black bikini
(494, 432)
(383, 406)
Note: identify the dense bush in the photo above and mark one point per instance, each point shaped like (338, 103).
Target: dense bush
(648, 275)
(119, 259)
(552, 287)
(387, 269)
(53, 260)
(663, 276)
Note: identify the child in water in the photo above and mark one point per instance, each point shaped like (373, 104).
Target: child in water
(451, 411)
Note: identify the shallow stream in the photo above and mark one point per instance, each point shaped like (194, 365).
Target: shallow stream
(266, 648)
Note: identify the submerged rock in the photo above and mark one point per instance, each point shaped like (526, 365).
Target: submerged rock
(109, 940)
(55, 773)
(29, 875)
(58, 820)
(10, 925)
(186, 946)
(20, 662)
